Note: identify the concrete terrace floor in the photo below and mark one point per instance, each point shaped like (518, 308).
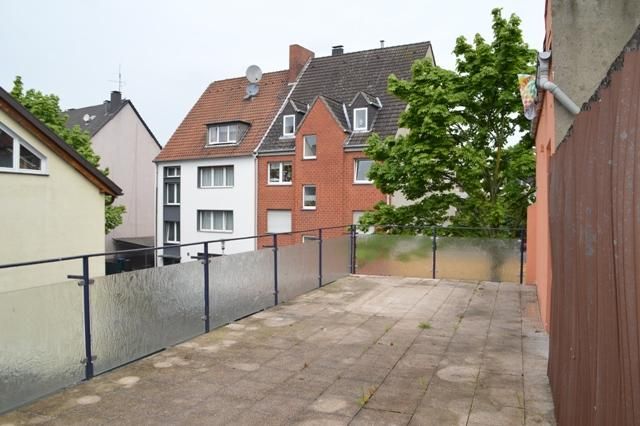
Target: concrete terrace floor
(364, 350)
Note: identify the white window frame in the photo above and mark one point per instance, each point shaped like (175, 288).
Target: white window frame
(355, 171)
(213, 185)
(281, 165)
(224, 221)
(366, 120)
(176, 195)
(217, 129)
(176, 169)
(176, 231)
(17, 142)
(304, 207)
(304, 148)
(284, 125)
(309, 238)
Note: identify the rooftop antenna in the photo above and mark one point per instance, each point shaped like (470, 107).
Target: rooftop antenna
(120, 81)
(254, 75)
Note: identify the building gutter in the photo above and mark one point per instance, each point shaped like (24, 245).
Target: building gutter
(544, 83)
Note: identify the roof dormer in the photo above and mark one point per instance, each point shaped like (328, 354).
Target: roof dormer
(364, 109)
(226, 133)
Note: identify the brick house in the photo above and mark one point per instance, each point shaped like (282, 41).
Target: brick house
(206, 173)
(312, 171)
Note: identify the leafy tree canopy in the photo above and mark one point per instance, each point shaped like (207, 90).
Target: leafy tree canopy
(47, 109)
(466, 159)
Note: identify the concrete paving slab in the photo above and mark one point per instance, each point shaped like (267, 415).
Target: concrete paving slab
(364, 350)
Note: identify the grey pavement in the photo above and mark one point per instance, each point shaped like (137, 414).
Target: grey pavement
(364, 350)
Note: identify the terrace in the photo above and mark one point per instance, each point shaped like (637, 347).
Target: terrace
(339, 348)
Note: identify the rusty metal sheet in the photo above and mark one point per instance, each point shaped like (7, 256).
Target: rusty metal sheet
(594, 361)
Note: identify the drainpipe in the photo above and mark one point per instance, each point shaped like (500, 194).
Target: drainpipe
(544, 84)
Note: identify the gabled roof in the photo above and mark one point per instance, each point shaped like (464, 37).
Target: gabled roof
(342, 77)
(338, 111)
(57, 145)
(299, 106)
(368, 98)
(100, 117)
(224, 101)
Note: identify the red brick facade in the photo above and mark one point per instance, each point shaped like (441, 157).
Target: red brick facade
(332, 172)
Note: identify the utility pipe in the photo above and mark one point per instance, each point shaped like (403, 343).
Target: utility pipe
(544, 84)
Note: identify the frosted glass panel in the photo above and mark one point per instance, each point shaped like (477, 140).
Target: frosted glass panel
(490, 259)
(335, 259)
(136, 313)
(41, 342)
(405, 255)
(298, 268)
(240, 284)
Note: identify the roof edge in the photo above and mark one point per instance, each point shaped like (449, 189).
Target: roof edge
(61, 148)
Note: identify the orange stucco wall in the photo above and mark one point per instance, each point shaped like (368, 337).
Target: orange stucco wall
(539, 243)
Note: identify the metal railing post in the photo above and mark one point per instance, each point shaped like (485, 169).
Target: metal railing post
(319, 257)
(88, 353)
(275, 268)
(207, 318)
(434, 250)
(352, 232)
(522, 236)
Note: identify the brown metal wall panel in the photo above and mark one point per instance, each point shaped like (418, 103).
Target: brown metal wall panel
(594, 360)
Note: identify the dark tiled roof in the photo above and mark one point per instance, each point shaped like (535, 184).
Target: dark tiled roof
(224, 101)
(60, 147)
(299, 106)
(368, 97)
(101, 116)
(338, 110)
(341, 77)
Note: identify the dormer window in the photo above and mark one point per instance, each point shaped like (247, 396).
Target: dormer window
(223, 134)
(360, 119)
(18, 156)
(288, 125)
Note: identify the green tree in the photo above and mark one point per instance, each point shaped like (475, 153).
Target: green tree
(467, 147)
(47, 109)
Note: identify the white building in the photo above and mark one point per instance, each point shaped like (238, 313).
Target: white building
(206, 174)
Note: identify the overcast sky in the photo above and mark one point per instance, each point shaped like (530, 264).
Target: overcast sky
(171, 51)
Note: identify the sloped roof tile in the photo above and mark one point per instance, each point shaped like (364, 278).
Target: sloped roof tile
(224, 101)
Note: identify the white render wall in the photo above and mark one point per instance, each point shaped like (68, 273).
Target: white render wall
(240, 199)
(127, 149)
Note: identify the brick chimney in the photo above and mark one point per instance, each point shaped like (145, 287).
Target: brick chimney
(298, 56)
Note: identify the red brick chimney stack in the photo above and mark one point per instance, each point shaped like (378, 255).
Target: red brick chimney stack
(298, 56)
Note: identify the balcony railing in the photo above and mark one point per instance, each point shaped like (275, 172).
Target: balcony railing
(58, 333)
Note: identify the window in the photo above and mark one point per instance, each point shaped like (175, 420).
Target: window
(172, 172)
(18, 156)
(280, 173)
(171, 232)
(215, 220)
(360, 119)
(309, 238)
(356, 220)
(362, 168)
(227, 133)
(309, 149)
(215, 177)
(278, 221)
(288, 125)
(309, 197)
(172, 193)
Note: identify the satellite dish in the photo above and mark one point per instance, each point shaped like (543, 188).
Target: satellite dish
(86, 118)
(252, 90)
(254, 74)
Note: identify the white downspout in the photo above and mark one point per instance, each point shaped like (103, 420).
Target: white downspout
(544, 84)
